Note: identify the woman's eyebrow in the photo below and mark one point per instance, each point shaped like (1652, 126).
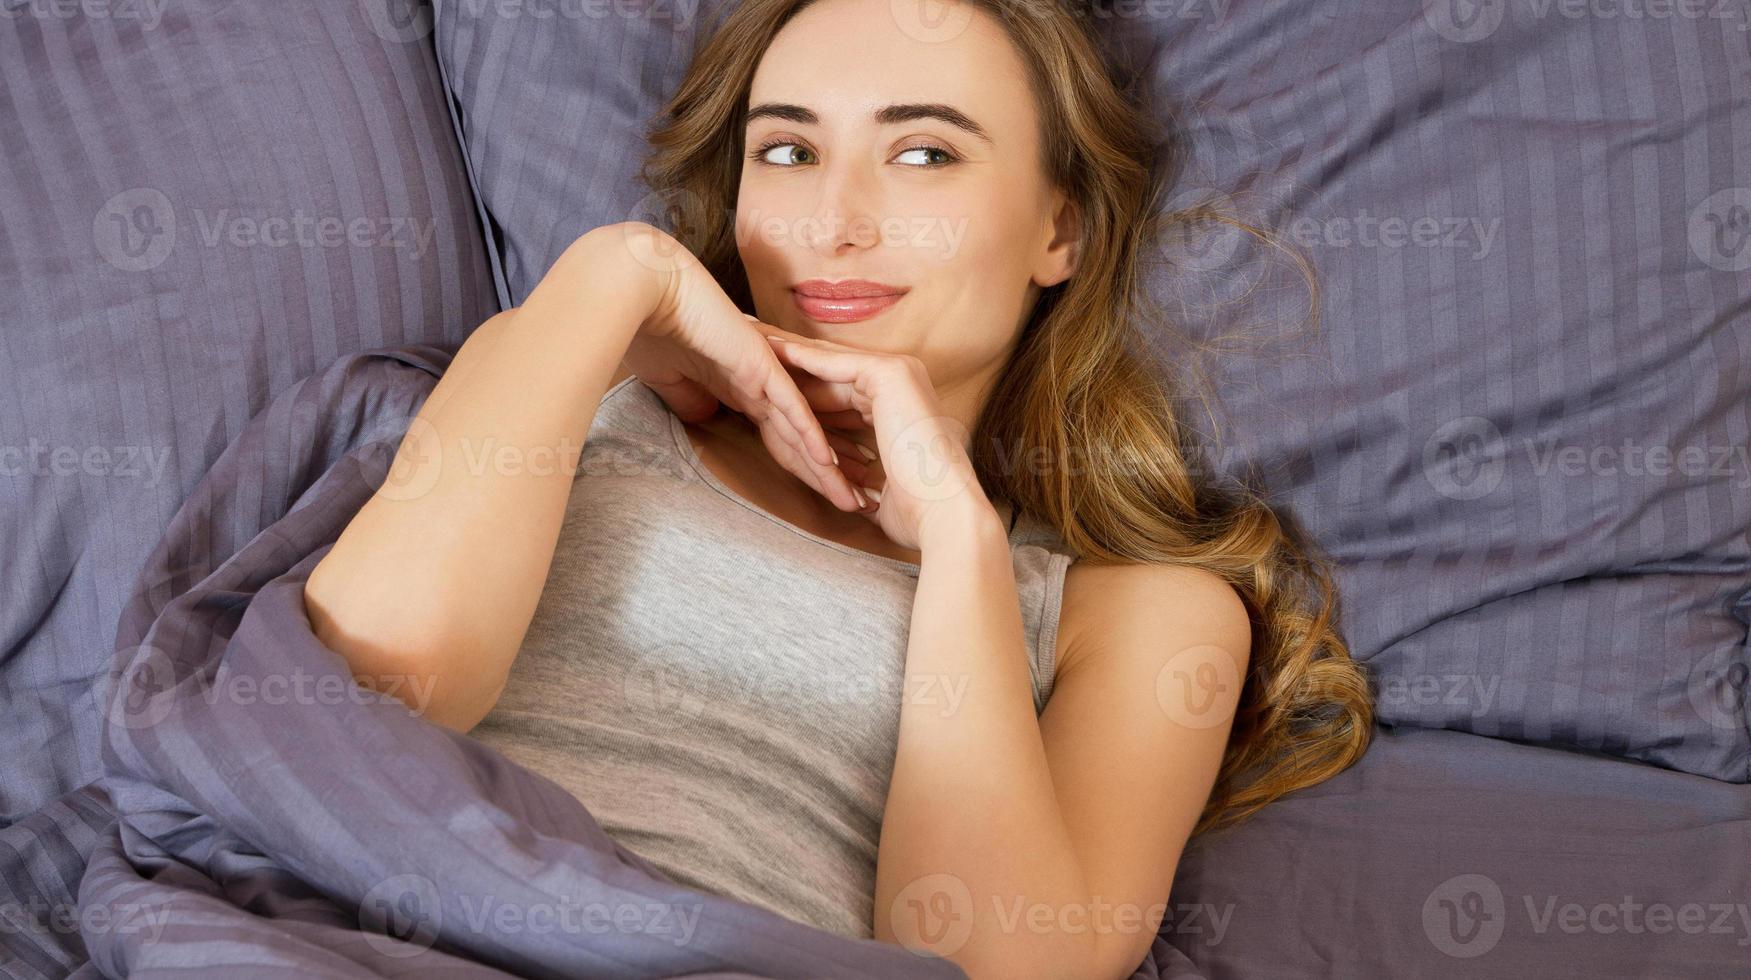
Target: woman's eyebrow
(887, 115)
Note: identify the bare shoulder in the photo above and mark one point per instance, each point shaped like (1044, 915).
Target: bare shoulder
(1115, 605)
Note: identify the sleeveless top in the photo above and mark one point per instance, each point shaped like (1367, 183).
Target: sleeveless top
(722, 689)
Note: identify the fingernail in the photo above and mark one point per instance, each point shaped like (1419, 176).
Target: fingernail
(867, 452)
(874, 494)
(835, 453)
(862, 501)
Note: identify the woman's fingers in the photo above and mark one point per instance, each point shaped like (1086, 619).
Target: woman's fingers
(827, 479)
(829, 398)
(795, 409)
(829, 363)
(859, 464)
(849, 420)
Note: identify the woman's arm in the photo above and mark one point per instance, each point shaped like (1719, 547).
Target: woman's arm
(434, 582)
(1045, 847)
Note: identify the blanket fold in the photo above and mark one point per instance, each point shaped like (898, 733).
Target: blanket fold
(272, 817)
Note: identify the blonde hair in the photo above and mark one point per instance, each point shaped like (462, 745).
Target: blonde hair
(1079, 380)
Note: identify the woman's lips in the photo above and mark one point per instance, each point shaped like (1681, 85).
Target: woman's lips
(842, 309)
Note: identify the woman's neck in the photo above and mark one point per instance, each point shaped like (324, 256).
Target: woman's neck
(730, 446)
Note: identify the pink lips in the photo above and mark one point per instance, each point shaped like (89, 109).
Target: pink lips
(846, 301)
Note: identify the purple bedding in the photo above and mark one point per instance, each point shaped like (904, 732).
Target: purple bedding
(1464, 435)
(1452, 855)
(261, 815)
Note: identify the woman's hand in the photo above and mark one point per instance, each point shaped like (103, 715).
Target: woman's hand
(696, 350)
(921, 471)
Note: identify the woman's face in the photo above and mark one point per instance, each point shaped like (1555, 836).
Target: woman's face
(903, 156)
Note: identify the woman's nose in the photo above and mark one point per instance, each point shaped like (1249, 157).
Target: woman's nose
(844, 217)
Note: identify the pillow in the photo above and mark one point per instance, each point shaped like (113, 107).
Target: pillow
(1520, 429)
(205, 201)
(552, 100)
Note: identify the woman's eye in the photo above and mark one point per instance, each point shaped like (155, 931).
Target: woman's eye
(783, 154)
(942, 156)
(792, 154)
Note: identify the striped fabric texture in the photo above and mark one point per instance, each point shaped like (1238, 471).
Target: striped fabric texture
(200, 203)
(1520, 426)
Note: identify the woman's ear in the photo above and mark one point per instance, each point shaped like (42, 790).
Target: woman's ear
(1058, 261)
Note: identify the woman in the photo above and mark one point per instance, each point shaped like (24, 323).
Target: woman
(939, 225)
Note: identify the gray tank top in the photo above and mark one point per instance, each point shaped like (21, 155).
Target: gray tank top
(720, 688)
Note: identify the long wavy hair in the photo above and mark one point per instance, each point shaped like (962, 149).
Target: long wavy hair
(1079, 380)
